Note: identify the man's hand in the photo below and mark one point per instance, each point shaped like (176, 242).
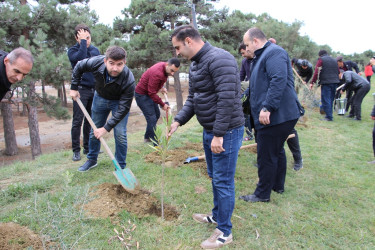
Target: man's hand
(74, 94)
(82, 34)
(165, 107)
(373, 118)
(217, 145)
(174, 127)
(100, 132)
(311, 86)
(264, 117)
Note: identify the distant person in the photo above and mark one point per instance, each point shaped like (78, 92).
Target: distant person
(81, 50)
(146, 93)
(372, 62)
(114, 92)
(215, 98)
(244, 77)
(275, 108)
(368, 72)
(13, 68)
(304, 69)
(360, 87)
(345, 66)
(328, 80)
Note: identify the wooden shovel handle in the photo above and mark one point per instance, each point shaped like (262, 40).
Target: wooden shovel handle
(109, 152)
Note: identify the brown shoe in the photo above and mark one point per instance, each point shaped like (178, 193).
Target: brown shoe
(204, 218)
(217, 240)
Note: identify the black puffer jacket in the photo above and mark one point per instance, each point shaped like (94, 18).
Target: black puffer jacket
(120, 88)
(214, 91)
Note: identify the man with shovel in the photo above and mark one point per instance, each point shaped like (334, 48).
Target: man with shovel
(151, 82)
(215, 98)
(114, 92)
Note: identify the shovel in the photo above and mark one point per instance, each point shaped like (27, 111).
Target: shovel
(202, 157)
(124, 176)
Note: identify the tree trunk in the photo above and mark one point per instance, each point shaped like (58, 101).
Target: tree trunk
(167, 84)
(33, 124)
(178, 91)
(9, 132)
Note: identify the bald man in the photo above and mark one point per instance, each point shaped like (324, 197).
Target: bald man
(13, 68)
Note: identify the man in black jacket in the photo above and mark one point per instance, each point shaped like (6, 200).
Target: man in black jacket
(114, 92)
(13, 68)
(304, 69)
(328, 80)
(214, 97)
(81, 50)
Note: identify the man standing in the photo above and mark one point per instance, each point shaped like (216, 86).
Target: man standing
(146, 93)
(114, 92)
(275, 109)
(214, 97)
(328, 79)
(13, 68)
(245, 77)
(81, 50)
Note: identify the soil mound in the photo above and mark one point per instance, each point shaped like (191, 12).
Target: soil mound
(110, 199)
(14, 236)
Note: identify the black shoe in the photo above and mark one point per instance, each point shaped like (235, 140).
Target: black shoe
(298, 165)
(85, 151)
(280, 191)
(357, 119)
(89, 164)
(326, 119)
(76, 156)
(252, 198)
(349, 116)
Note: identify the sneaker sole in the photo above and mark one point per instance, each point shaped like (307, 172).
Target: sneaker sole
(87, 169)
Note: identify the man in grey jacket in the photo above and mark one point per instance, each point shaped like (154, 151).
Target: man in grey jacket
(360, 86)
(214, 97)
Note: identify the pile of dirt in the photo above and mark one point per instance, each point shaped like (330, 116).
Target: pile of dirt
(110, 199)
(14, 236)
(177, 157)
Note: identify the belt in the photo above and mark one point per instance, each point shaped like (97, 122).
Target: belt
(85, 87)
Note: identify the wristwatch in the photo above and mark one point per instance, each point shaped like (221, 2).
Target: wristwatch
(264, 109)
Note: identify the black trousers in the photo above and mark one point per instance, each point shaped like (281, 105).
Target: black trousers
(293, 144)
(87, 95)
(271, 158)
(357, 100)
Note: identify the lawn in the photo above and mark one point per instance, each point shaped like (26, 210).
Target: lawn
(327, 204)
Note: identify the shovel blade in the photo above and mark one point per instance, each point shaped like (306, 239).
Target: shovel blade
(127, 180)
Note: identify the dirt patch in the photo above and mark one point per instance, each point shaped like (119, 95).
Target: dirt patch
(14, 236)
(177, 157)
(111, 199)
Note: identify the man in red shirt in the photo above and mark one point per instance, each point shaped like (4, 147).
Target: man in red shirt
(151, 82)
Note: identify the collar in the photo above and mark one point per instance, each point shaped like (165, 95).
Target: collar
(3, 75)
(258, 52)
(197, 57)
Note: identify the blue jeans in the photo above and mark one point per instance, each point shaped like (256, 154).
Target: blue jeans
(100, 110)
(151, 112)
(221, 168)
(328, 92)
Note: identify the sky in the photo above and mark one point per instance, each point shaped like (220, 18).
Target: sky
(346, 28)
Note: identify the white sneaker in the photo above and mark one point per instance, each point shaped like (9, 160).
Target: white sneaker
(217, 240)
(204, 218)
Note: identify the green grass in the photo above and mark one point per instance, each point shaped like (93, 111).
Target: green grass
(327, 204)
